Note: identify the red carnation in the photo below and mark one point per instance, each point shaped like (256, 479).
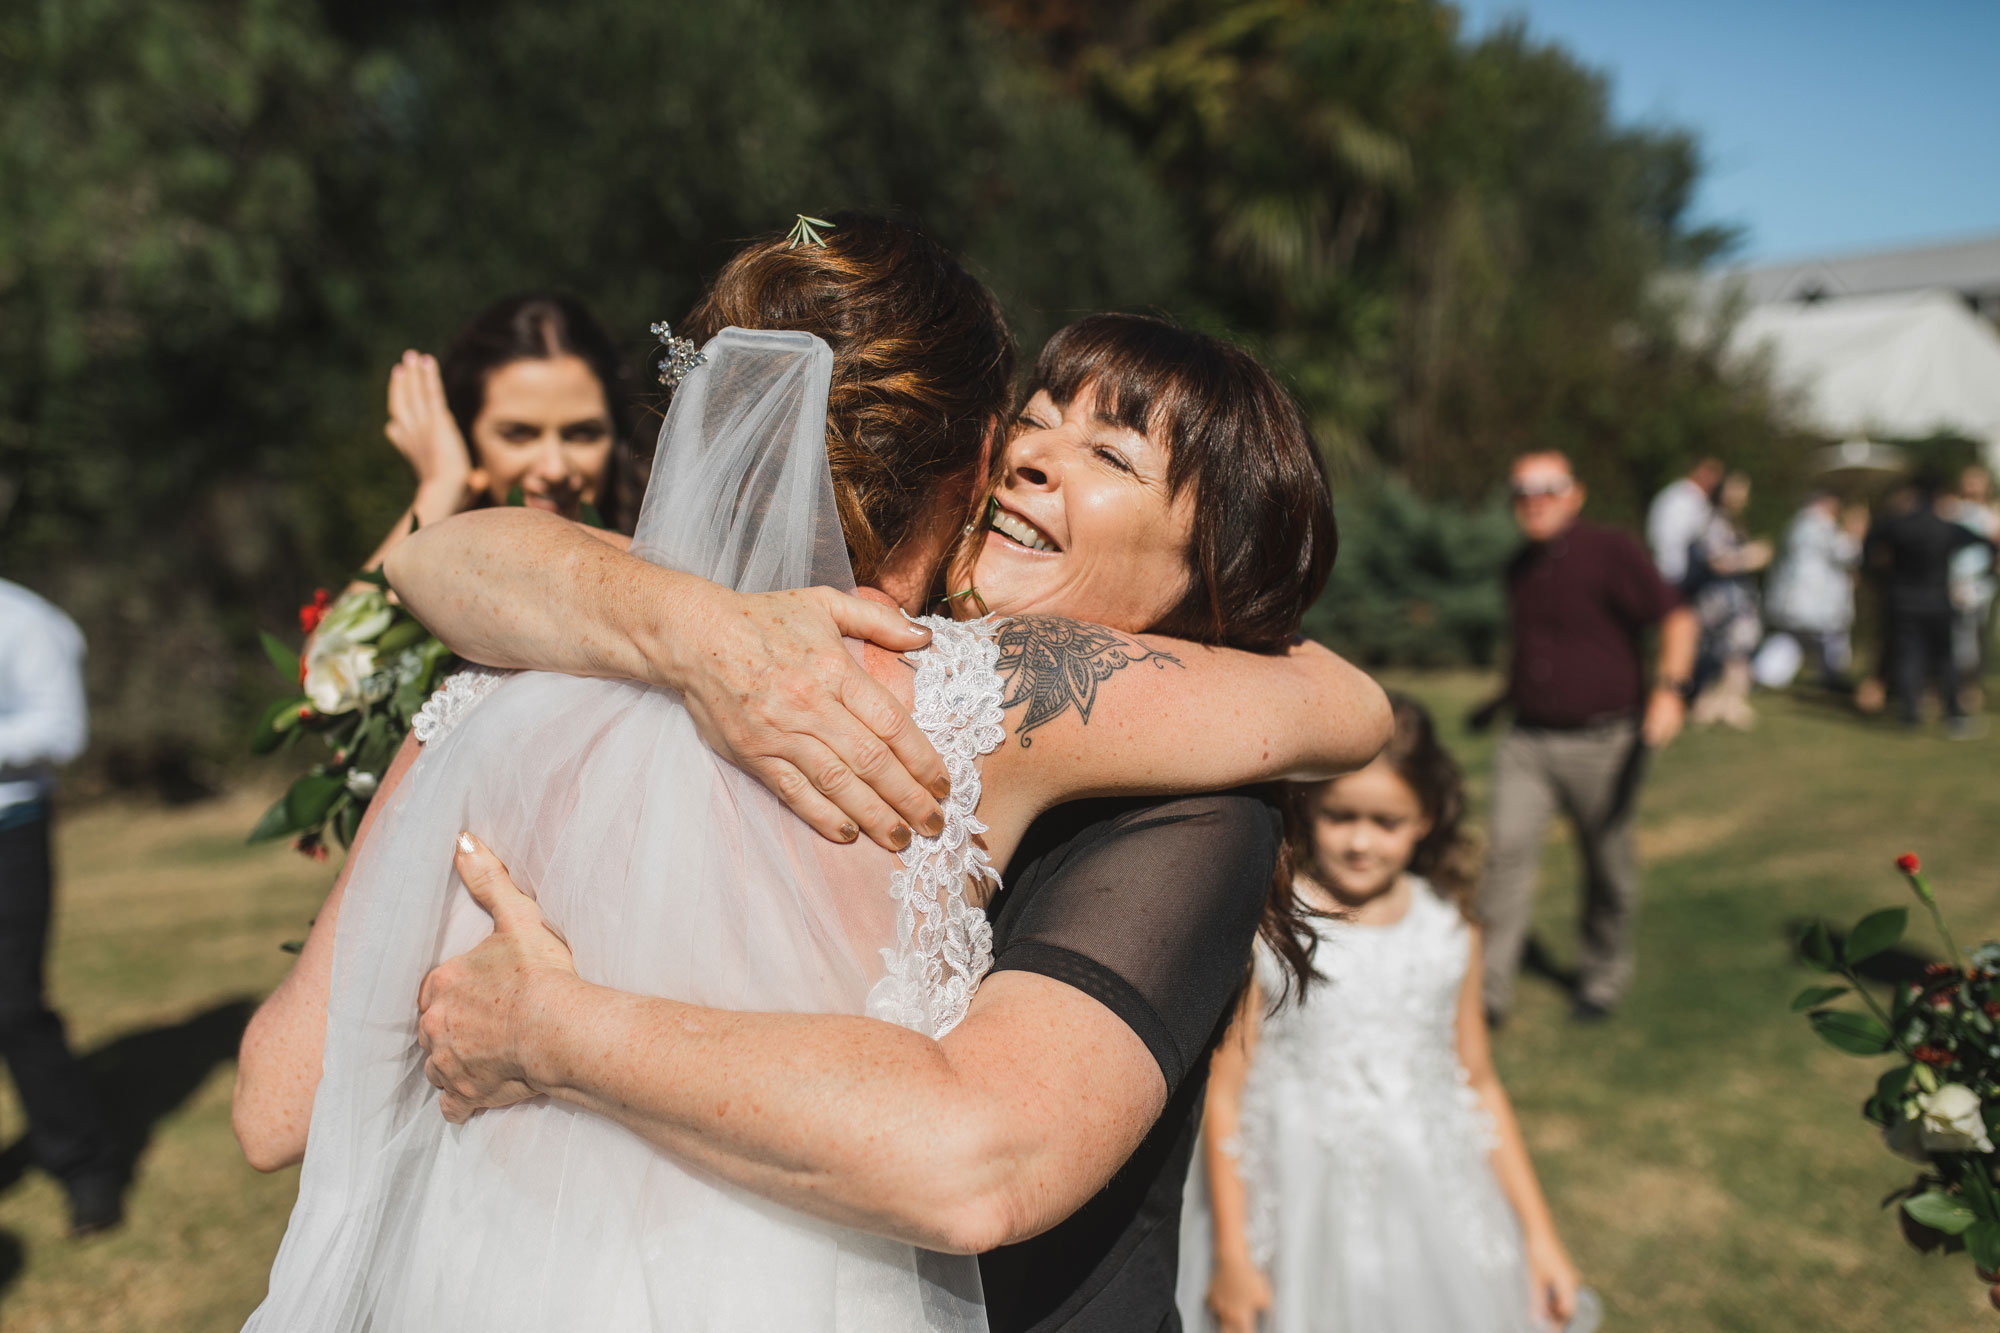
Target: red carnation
(1933, 1055)
(1992, 1008)
(1908, 863)
(315, 611)
(308, 844)
(305, 712)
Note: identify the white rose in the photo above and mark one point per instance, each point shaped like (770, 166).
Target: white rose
(1952, 1122)
(362, 784)
(335, 668)
(1947, 1120)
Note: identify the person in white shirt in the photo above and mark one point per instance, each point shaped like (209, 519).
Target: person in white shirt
(1678, 517)
(43, 724)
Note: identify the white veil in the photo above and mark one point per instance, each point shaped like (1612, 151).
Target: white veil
(669, 872)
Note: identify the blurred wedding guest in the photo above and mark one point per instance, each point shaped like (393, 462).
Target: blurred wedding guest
(1972, 581)
(1811, 594)
(1582, 598)
(530, 395)
(1348, 1183)
(1678, 517)
(1725, 603)
(1912, 551)
(42, 726)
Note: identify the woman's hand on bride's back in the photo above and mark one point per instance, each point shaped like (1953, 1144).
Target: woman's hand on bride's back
(474, 1012)
(772, 687)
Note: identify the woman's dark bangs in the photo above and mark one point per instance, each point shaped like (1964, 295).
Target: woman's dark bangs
(1148, 376)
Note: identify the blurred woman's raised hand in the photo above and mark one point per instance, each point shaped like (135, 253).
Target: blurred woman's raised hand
(422, 429)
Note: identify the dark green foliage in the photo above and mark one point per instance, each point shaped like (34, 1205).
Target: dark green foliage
(1417, 582)
(223, 219)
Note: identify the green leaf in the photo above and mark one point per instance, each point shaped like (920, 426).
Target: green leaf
(400, 636)
(1816, 948)
(349, 820)
(1814, 996)
(413, 520)
(1982, 1242)
(589, 516)
(515, 498)
(1874, 933)
(283, 658)
(274, 823)
(374, 577)
(1940, 1212)
(1857, 1034)
(280, 718)
(311, 797)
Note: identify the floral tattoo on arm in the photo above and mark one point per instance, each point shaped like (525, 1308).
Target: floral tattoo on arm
(1053, 665)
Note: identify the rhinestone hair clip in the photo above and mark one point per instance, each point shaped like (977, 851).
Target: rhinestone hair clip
(681, 356)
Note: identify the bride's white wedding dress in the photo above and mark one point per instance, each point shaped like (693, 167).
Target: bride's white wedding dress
(1363, 1148)
(669, 872)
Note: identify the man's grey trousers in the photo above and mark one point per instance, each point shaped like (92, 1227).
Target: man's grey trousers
(1592, 775)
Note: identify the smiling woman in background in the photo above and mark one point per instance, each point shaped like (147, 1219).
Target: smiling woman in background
(530, 394)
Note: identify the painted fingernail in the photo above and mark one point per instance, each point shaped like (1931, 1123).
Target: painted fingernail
(900, 836)
(941, 788)
(935, 824)
(848, 833)
(465, 844)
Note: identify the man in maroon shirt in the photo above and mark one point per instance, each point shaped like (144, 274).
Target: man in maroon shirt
(1582, 598)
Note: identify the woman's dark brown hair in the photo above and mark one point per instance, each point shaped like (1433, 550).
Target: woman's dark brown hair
(1263, 539)
(1264, 536)
(1448, 855)
(541, 326)
(923, 364)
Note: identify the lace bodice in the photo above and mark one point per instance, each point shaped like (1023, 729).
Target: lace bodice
(449, 704)
(944, 944)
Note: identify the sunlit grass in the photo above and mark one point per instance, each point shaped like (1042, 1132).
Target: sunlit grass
(1702, 1150)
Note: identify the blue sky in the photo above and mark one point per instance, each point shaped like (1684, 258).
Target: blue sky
(1828, 126)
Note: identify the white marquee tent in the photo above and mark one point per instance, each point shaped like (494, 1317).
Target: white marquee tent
(1898, 366)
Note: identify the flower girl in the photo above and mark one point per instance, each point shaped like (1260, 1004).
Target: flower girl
(1363, 1172)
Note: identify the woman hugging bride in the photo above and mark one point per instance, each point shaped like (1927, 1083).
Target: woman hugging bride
(842, 433)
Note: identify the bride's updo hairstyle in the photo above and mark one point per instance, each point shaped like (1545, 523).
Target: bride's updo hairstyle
(1264, 537)
(923, 363)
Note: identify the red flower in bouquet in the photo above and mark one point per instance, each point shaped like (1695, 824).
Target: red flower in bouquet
(315, 611)
(1908, 863)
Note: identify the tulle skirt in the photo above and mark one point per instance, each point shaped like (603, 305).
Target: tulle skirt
(1367, 1228)
(681, 877)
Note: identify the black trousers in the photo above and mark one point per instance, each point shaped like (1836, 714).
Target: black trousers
(66, 1129)
(1919, 653)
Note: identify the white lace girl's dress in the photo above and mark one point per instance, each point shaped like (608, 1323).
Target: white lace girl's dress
(1363, 1148)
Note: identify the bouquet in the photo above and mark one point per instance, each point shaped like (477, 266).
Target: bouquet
(367, 667)
(1939, 1105)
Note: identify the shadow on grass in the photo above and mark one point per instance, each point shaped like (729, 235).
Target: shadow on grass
(12, 1260)
(145, 1076)
(1538, 961)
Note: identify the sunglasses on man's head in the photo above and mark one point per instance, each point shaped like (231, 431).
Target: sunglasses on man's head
(1548, 488)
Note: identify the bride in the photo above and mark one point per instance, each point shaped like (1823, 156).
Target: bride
(670, 873)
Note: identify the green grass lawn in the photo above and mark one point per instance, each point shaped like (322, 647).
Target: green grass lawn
(1702, 1150)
